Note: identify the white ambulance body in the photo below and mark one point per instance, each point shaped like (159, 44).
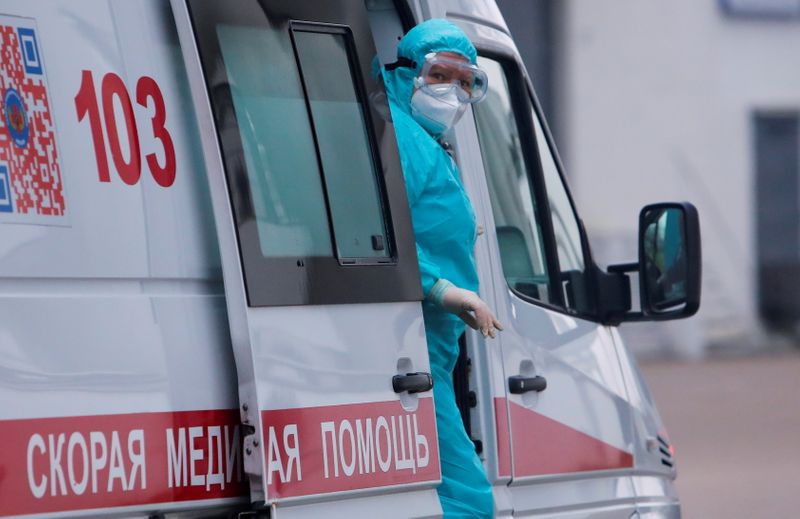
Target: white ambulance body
(209, 298)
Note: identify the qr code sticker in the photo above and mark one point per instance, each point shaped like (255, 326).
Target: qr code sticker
(31, 185)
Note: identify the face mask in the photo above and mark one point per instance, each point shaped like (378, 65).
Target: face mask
(437, 113)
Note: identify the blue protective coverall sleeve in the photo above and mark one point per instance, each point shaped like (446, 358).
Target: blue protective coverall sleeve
(429, 272)
(416, 173)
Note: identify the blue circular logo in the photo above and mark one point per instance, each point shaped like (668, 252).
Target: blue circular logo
(16, 117)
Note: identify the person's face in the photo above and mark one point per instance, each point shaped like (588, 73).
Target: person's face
(447, 72)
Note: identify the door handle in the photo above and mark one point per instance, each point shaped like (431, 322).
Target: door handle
(412, 382)
(520, 384)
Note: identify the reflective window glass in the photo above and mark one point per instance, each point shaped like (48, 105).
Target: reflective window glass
(518, 229)
(278, 144)
(314, 183)
(347, 159)
(565, 226)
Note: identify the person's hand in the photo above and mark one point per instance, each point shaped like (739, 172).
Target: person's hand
(471, 309)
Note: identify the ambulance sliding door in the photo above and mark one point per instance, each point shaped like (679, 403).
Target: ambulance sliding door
(318, 256)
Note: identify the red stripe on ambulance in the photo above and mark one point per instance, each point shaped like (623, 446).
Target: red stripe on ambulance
(316, 450)
(503, 447)
(543, 446)
(71, 463)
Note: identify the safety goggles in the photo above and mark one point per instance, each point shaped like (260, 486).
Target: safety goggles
(439, 72)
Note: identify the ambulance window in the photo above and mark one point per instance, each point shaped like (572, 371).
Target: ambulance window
(284, 147)
(318, 205)
(277, 143)
(517, 222)
(347, 158)
(565, 226)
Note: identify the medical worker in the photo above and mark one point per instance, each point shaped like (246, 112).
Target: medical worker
(429, 87)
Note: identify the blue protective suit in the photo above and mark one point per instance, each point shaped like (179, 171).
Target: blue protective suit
(444, 226)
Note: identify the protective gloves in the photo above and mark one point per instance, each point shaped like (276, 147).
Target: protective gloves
(467, 305)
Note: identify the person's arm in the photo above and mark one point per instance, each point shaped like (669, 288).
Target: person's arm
(415, 176)
(428, 272)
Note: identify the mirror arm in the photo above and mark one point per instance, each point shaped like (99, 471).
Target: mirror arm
(634, 317)
(623, 268)
(613, 290)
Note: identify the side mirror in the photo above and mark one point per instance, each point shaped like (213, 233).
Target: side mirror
(669, 269)
(669, 261)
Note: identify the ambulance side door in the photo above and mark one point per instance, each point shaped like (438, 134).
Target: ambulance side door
(318, 255)
(563, 415)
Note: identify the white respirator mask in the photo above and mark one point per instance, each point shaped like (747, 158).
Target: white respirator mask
(437, 108)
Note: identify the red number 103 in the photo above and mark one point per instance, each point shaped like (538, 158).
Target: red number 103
(129, 171)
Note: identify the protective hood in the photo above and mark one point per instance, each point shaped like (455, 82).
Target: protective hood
(435, 35)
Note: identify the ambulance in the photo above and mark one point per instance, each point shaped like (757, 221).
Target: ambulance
(209, 293)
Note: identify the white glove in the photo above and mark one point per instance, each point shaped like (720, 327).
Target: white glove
(467, 305)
